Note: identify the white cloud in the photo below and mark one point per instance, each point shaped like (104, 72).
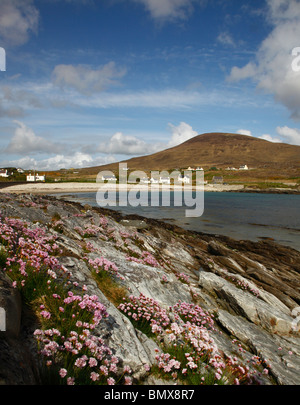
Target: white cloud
(245, 72)
(86, 80)
(291, 135)
(181, 133)
(244, 132)
(24, 141)
(266, 137)
(78, 160)
(168, 9)
(270, 138)
(272, 69)
(18, 19)
(127, 145)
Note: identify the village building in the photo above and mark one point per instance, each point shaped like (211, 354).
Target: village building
(184, 179)
(4, 173)
(164, 180)
(243, 167)
(35, 177)
(109, 177)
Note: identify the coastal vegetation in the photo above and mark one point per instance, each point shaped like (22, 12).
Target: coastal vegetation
(74, 306)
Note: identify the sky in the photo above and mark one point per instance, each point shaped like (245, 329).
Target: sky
(89, 82)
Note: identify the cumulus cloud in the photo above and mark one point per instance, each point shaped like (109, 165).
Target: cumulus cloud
(86, 80)
(77, 160)
(270, 138)
(181, 133)
(272, 69)
(18, 20)
(266, 137)
(25, 141)
(244, 132)
(290, 135)
(127, 145)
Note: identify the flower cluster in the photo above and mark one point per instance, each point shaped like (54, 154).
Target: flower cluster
(243, 285)
(67, 317)
(193, 313)
(182, 277)
(100, 263)
(88, 231)
(145, 258)
(87, 360)
(189, 353)
(145, 312)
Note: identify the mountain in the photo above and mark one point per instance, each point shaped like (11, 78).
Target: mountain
(220, 150)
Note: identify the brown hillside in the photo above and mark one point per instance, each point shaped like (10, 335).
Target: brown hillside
(220, 150)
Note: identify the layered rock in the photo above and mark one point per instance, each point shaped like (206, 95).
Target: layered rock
(251, 288)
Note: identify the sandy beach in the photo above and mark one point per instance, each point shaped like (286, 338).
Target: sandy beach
(72, 187)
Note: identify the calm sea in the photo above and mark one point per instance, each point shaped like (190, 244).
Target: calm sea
(243, 216)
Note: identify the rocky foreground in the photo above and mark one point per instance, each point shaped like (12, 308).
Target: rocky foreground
(191, 308)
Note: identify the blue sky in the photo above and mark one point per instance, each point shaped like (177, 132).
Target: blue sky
(89, 82)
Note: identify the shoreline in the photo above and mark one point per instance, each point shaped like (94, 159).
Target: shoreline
(76, 187)
(42, 188)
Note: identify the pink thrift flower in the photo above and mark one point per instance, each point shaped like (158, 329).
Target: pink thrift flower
(71, 381)
(92, 362)
(62, 372)
(110, 381)
(94, 376)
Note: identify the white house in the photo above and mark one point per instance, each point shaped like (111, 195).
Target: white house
(243, 167)
(35, 177)
(4, 173)
(164, 180)
(199, 168)
(108, 177)
(184, 179)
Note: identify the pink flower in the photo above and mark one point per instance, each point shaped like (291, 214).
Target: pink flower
(111, 381)
(128, 381)
(45, 314)
(63, 372)
(92, 362)
(70, 381)
(94, 376)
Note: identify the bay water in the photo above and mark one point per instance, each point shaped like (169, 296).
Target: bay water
(242, 216)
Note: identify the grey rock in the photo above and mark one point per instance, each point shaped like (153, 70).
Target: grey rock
(266, 324)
